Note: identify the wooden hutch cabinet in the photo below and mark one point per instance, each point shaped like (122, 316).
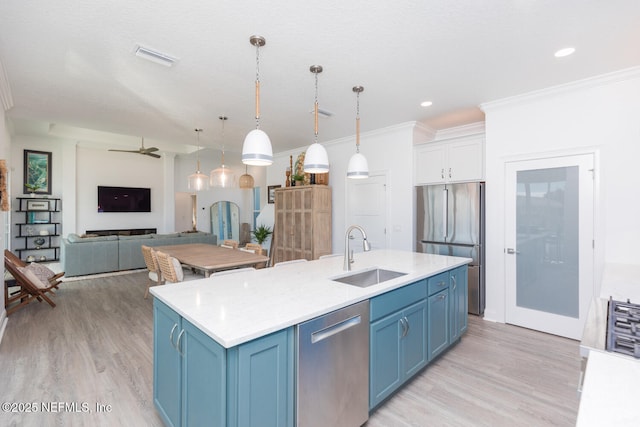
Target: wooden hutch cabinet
(302, 223)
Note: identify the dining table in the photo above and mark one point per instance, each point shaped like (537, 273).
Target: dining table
(210, 258)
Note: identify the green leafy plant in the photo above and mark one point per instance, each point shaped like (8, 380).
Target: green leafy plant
(262, 233)
(32, 187)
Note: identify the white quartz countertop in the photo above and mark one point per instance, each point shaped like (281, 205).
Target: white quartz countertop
(607, 396)
(236, 308)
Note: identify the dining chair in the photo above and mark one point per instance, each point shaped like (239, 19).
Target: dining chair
(230, 244)
(232, 271)
(170, 268)
(151, 261)
(293, 261)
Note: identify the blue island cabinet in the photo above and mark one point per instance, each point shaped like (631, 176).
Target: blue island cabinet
(198, 382)
(397, 339)
(411, 326)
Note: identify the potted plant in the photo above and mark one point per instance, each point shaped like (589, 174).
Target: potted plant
(32, 188)
(262, 233)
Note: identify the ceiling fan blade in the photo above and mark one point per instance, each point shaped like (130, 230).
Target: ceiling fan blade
(149, 150)
(125, 151)
(157, 156)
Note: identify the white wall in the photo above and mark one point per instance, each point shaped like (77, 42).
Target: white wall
(387, 150)
(599, 115)
(4, 217)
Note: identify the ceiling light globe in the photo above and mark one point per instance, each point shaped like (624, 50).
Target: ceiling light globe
(358, 167)
(316, 159)
(256, 150)
(198, 182)
(222, 177)
(246, 181)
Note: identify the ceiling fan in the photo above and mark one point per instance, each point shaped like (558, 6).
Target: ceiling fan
(146, 151)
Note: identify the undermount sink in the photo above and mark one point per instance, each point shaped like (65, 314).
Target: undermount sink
(366, 278)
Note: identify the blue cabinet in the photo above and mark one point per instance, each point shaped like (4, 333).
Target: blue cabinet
(198, 382)
(397, 339)
(438, 323)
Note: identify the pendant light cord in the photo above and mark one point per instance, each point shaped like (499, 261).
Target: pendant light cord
(198, 130)
(316, 111)
(257, 85)
(224, 119)
(358, 122)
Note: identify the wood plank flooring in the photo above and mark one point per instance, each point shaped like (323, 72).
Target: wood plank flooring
(96, 347)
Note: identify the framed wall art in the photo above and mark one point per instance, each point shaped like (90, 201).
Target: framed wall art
(271, 193)
(37, 172)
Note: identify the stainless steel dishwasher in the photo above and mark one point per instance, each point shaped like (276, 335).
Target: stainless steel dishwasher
(333, 368)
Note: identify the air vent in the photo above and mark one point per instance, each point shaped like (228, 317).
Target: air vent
(154, 56)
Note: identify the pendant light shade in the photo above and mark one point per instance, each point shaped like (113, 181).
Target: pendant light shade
(246, 181)
(198, 181)
(256, 149)
(358, 167)
(316, 159)
(222, 176)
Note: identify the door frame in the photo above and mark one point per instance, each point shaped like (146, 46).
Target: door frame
(387, 214)
(597, 231)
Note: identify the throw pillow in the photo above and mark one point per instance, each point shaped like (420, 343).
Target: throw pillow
(32, 278)
(42, 272)
(178, 268)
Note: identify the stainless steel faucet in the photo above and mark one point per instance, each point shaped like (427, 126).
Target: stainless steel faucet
(348, 256)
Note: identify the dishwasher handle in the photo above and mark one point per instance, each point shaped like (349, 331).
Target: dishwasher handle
(334, 329)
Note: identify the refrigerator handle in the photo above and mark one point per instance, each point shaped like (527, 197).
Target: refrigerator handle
(445, 218)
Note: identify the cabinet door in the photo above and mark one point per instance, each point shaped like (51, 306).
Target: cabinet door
(438, 324)
(430, 164)
(458, 304)
(203, 379)
(465, 161)
(167, 372)
(263, 393)
(385, 373)
(414, 341)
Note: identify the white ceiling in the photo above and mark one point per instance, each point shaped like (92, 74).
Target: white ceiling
(71, 63)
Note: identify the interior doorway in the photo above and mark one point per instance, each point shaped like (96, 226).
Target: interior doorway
(549, 229)
(367, 207)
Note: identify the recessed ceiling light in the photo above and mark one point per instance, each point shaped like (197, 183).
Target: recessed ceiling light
(564, 52)
(154, 56)
(426, 104)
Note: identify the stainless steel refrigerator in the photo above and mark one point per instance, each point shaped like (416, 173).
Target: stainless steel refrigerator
(450, 221)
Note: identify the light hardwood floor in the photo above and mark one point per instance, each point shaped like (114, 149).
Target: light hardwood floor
(95, 348)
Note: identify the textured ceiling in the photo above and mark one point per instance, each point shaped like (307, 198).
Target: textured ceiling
(70, 63)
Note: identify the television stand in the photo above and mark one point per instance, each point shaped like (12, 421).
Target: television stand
(123, 232)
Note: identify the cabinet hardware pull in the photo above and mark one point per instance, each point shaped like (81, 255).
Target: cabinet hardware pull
(455, 282)
(449, 172)
(406, 321)
(442, 296)
(175, 325)
(404, 327)
(178, 342)
(442, 173)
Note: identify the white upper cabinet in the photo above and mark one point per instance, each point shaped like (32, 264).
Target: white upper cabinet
(449, 161)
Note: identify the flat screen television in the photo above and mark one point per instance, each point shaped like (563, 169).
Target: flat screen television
(124, 199)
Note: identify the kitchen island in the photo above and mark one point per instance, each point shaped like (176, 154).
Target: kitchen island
(224, 346)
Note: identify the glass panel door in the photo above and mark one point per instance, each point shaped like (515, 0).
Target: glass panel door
(549, 243)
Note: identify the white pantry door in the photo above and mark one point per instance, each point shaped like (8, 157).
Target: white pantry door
(549, 243)
(367, 207)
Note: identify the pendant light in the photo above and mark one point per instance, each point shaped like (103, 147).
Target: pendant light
(256, 149)
(358, 167)
(246, 181)
(316, 159)
(222, 176)
(198, 181)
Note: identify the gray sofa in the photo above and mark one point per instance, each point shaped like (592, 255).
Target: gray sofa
(90, 255)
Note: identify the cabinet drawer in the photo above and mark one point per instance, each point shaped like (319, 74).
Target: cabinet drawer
(385, 304)
(438, 283)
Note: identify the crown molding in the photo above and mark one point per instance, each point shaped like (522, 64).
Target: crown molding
(590, 82)
(460, 131)
(6, 100)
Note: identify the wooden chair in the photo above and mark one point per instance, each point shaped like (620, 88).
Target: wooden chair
(53, 279)
(170, 268)
(231, 244)
(256, 248)
(31, 287)
(155, 275)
